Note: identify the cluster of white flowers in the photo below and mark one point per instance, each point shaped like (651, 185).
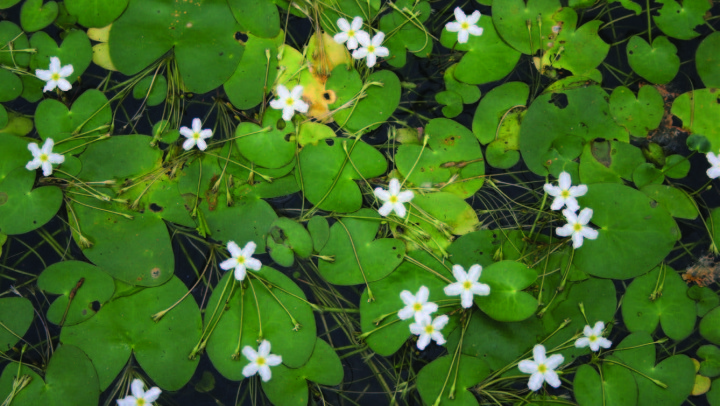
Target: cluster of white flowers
(565, 195)
(465, 25)
(542, 368)
(352, 34)
(417, 306)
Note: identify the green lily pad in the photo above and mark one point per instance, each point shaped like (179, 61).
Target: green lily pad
(435, 380)
(328, 177)
(90, 116)
(638, 116)
(710, 326)
(152, 89)
(616, 386)
(17, 125)
(376, 107)
(679, 19)
(10, 86)
(34, 15)
(345, 83)
(642, 310)
(658, 63)
(119, 157)
(452, 101)
(510, 18)
(134, 250)
(75, 50)
(451, 152)
(705, 299)
(624, 217)
(674, 200)
(289, 387)
(12, 36)
(488, 57)
(647, 174)
(3, 116)
(278, 309)
(408, 35)
(707, 60)
(556, 120)
(477, 247)
(713, 396)
(267, 146)
(507, 301)
(628, 4)
(95, 13)
(312, 133)
(69, 379)
(255, 73)
(22, 208)
(385, 332)
(698, 110)
(64, 278)
(677, 372)
(259, 18)
(198, 33)
(495, 107)
(469, 93)
(319, 231)
(710, 366)
(16, 315)
(249, 219)
(287, 238)
(13, 154)
(125, 326)
(357, 256)
(609, 161)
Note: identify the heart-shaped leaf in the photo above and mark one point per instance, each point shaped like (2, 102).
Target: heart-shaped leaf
(464, 372)
(95, 13)
(507, 301)
(615, 387)
(678, 19)
(16, 315)
(34, 15)
(658, 63)
(710, 326)
(75, 50)
(380, 101)
(22, 208)
(638, 116)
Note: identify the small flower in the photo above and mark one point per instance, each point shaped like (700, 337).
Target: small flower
(139, 396)
(351, 32)
(44, 157)
(417, 305)
(467, 284)
(393, 199)
(260, 361)
(465, 25)
(542, 369)
(241, 259)
(593, 337)
(564, 193)
(289, 102)
(195, 136)
(429, 330)
(714, 160)
(577, 226)
(371, 48)
(55, 77)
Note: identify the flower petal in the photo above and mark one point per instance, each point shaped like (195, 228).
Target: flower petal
(276, 104)
(66, 71)
(577, 239)
(64, 85)
(582, 342)
(382, 52)
(474, 273)
(385, 209)
(356, 23)
(713, 172)
(249, 353)
(438, 337)
(378, 39)
(571, 203)
(535, 382)
(265, 373)
(340, 37)
(579, 190)
(273, 360)
(423, 341)
(249, 249)
(264, 348)
(440, 322)
(551, 377)
(301, 106)
(136, 387)
(475, 30)
(598, 328)
(47, 168)
(460, 16)
(422, 295)
(588, 331)
(406, 313)
(34, 164)
(527, 366)
(407, 297)
(539, 353)
(466, 299)
(604, 342)
(399, 210)
(46, 75)
(459, 273)
(54, 64)
(554, 361)
(152, 394)
(253, 263)
(296, 92)
(371, 60)
(473, 18)
(282, 92)
(128, 401)
(363, 38)
(570, 216)
(240, 272)
(229, 264)
(565, 230)
(250, 369)
(352, 43)
(453, 27)
(360, 53)
(589, 233)
(480, 289)
(343, 24)
(405, 196)
(48, 146)
(380, 193)
(564, 181)
(463, 36)
(416, 328)
(558, 203)
(206, 133)
(56, 158)
(288, 113)
(201, 144)
(34, 149)
(453, 289)
(585, 216)
(50, 86)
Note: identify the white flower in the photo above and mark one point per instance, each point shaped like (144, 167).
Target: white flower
(564, 193)
(593, 337)
(371, 48)
(393, 199)
(417, 305)
(289, 102)
(55, 77)
(577, 226)
(714, 160)
(351, 32)
(467, 284)
(241, 259)
(139, 396)
(195, 136)
(542, 369)
(260, 361)
(429, 330)
(44, 157)
(465, 25)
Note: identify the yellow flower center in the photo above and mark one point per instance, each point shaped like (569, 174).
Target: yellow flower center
(467, 285)
(43, 157)
(417, 307)
(429, 329)
(289, 101)
(577, 226)
(55, 76)
(393, 199)
(371, 49)
(464, 26)
(196, 136)
(351, 33)
(542, 368)
(140, 402)
(241, 259)
(260, 361)
(565, 194)
(593, 338)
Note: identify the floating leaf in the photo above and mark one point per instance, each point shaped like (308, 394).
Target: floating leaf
(69, 379)
(376, 107)
(706, 299)
(125, 326)
(698, 110)
(507, 301)
(319, 231)
(679, 19)
(710, 326)
(152, 89)
(511, 16)
(22, 208)
(85, 282)
(273, 300)
(289, 387)
(674, 200)
(707, 60)
(433, 380)
(75, 50)
(34, 15)
(710, 366)
(405, 21)
(267, 146)
(609, 161)
(638, 116)
(16, 315)
(327, 174)
(255, 73)
(645, 305)
(10, 86)
(357, 256)
(288, 236)
(95, 13)
(259, 18)
(616, 386)
(658, 63)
